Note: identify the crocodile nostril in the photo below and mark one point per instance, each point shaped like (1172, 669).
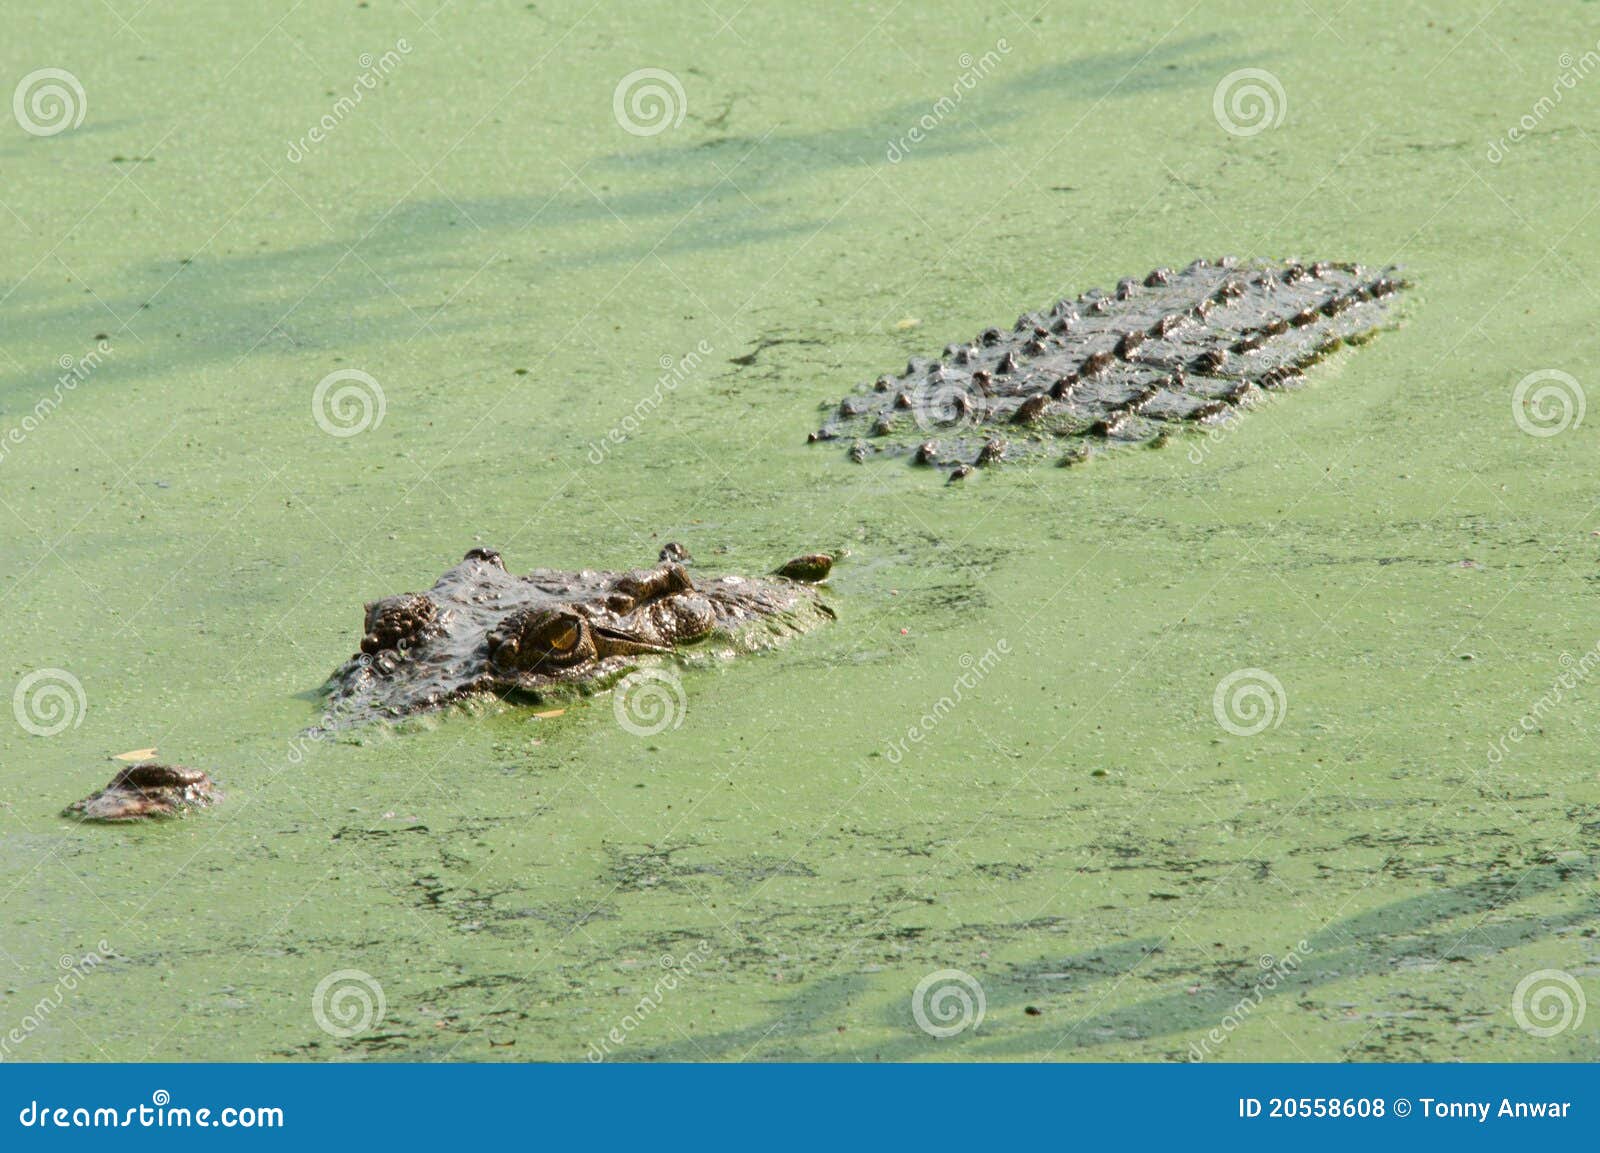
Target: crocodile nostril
(395, 621)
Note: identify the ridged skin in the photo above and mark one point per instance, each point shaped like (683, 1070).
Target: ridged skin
(1124, 367)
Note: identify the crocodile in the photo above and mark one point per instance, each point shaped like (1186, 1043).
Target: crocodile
(1125, 367)
(149, 789)
(481, 630)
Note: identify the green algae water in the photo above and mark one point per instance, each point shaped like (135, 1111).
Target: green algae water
(1276, 744)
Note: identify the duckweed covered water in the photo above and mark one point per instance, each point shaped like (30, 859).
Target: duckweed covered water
(1003, 758)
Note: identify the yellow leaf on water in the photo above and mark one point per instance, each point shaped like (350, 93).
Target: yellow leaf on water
(136, 754)
(548, 713)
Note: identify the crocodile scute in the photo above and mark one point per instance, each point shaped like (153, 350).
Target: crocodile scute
(1170, 349)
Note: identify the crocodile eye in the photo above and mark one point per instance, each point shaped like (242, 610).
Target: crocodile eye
(542, 639)
(557, 637)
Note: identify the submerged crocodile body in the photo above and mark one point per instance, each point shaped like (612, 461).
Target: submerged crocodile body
(480, 629)
(1125, 367)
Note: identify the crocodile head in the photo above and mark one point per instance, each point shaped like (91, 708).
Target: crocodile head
(480, 629)
(653, 613)
(147, 790)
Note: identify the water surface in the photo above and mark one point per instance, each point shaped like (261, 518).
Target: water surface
(1117, 871)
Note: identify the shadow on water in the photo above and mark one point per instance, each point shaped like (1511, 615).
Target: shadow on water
(389, 288)
(391, 274)
(1368, 943)
(1057, 95)
(18, 148)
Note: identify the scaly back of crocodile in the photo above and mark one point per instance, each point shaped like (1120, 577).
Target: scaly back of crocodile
(1125, 367)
